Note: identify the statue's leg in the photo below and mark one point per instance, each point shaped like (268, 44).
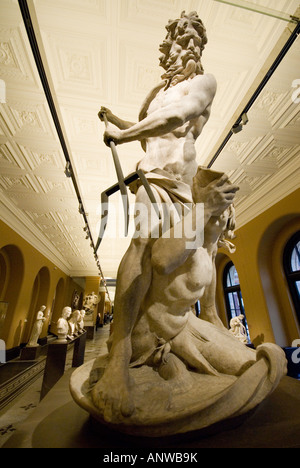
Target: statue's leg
(112, 393)
(185, 347)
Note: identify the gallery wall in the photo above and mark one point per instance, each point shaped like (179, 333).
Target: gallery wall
(258, 258)
(28, 280)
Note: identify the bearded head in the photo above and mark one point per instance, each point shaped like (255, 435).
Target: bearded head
(182, 47)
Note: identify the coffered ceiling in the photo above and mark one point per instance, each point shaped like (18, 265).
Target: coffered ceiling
(105, 53)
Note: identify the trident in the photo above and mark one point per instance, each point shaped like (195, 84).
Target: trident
(122, 186)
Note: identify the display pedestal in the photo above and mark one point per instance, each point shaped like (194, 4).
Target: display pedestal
(56, 360)
(90, 330)
(30, 353)
(58, 422)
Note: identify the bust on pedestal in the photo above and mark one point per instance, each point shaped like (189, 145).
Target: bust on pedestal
(63, 325)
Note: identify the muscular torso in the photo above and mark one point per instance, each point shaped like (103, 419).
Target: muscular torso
(171, 296)
(175, 151)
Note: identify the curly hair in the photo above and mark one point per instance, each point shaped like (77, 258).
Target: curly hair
(176, 32)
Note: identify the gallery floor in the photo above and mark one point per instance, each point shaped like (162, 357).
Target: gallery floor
(57, 422)
(12, 415)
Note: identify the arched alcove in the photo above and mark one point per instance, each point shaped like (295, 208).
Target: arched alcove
(270, 251)
(222, 260)
(12, 274)
(57, 305)
(39, 297)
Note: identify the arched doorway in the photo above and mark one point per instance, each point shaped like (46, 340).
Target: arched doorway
(291, 263)
(57, 306)
(11, 277)
(233, 295)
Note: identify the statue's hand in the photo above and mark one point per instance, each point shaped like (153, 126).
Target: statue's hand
(107, 112)
(219, 195)
(112, 134)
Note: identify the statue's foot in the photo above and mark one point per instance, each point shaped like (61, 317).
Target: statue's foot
(111, 395)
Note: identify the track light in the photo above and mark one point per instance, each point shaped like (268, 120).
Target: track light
(68, 169)
(238, 127)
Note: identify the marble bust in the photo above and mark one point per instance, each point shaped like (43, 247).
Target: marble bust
(63, 325)
(74, 324)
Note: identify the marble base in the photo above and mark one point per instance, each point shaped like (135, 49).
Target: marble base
(188, 401)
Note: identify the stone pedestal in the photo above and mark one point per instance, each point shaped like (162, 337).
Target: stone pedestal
(79, 349)
(56, 360)
(30, 353)
(90, 330)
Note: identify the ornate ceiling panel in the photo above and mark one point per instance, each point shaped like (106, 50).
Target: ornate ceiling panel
(105, 52)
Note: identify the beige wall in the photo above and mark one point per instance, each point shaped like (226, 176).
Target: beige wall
(258, 259)
(28, 280)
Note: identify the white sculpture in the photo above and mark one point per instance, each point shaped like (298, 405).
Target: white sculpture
(63, 325)
(75, 301)
(238, 329)
(81, 321)
(73, 324)
(37, 328)
(167, 371)
(90, 301)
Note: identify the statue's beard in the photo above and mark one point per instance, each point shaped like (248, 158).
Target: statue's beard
(187, 68)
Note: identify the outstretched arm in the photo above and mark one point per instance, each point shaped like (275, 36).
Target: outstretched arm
(170, 117)
(170, 252)
(113, 119)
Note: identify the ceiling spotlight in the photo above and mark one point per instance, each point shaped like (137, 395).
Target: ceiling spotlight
(245, 119)
(68, 169)
(238, 127)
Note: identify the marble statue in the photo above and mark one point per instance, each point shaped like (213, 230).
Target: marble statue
(238, 329)
(167, 371)
(90, 301)
(81, 321)
(74, 324)
(75, 302)
(37, 328)
(63, 325)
